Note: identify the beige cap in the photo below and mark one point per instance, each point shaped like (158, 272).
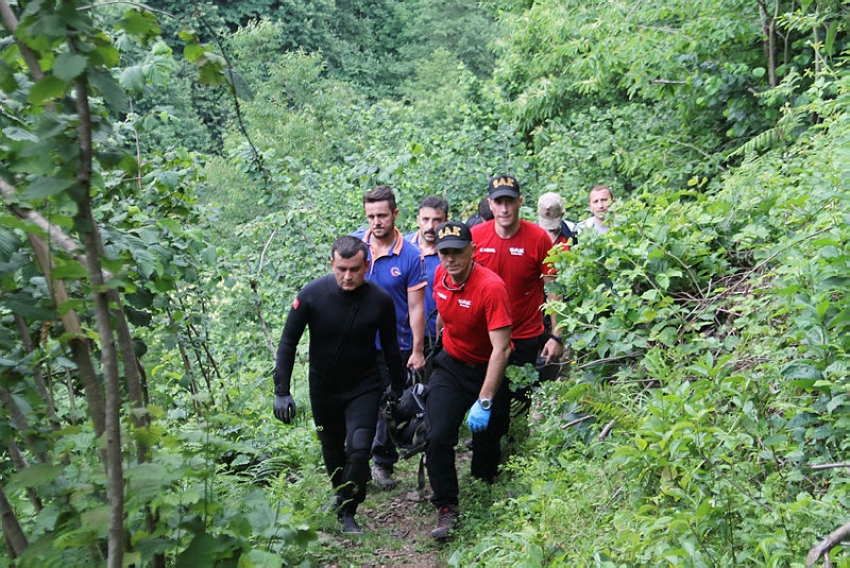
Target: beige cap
(550, 209)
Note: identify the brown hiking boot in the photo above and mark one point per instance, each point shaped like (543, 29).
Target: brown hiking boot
(446, 519)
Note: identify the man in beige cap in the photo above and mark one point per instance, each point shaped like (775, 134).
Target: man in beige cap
(550, 216)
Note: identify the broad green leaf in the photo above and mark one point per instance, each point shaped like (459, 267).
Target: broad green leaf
(69, 66)
(800, 371)
(139, 23)
(132, 78)
(69, 270)
(19, 134)
(259, 559)
(193, 52)
(240, 85)
(7, 78)
(205, 550)
(106, 85)
(829, 44)
(106, 52)
(47, 187)
(146, 262)
(35, 475)
(26, 306)
(96, 520)
(47, 89)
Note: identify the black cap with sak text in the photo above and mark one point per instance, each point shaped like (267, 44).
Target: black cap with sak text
(453, 234)
(502, 186)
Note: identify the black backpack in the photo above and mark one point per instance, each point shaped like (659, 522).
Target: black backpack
(406, 421)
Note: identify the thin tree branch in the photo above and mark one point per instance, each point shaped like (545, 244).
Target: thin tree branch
(823, 547)
(823, 466)
(578, 421)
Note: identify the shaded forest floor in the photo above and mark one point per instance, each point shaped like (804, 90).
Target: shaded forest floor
(396, 524)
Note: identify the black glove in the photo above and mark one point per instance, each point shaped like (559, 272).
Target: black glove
(389, 402)
(284, 408)
(393, 394)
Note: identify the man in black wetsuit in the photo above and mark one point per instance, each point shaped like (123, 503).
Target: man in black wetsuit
(344, 311)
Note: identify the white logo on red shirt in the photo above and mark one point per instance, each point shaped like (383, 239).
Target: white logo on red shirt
(487, 249)
(442, 296)
(517, 251)
(464, 303)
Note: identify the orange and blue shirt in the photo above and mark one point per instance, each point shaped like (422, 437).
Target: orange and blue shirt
(399, 271)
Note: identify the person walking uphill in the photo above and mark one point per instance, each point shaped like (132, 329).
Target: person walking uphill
(468, 372)
(516, 250)
(433, 211)
(344, 312)
(394, 264)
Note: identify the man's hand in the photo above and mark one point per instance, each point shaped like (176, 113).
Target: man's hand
(478, 418)
(552, 351)
(416, 360)
(284, 408)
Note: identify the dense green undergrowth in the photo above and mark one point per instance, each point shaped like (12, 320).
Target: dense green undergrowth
(704, 415)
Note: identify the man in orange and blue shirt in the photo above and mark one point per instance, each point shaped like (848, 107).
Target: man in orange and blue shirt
(395, 265)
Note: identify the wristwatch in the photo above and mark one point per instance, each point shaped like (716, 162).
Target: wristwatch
(485, 403)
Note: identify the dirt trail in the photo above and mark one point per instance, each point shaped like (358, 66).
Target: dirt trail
(397, 524)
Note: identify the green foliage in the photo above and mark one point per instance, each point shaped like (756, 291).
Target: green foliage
(709, 329)
(702, 419)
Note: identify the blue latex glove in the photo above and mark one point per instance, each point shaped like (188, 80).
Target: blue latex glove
(478, 418)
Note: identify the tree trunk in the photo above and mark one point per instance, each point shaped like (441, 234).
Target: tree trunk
(16, 540)
(21, 463)
(109, 357)
(768, 29)
(22, 425)
(38, 376)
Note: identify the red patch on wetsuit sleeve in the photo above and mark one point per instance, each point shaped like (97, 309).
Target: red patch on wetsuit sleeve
(295, 304)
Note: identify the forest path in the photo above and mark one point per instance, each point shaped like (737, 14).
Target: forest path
(397, 524)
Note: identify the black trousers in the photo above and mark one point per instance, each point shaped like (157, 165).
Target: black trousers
(452, 390)
(384, 452)
(346, 427)
(524, 351)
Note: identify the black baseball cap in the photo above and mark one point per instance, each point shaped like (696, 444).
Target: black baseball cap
(502, 186)
(453, 234)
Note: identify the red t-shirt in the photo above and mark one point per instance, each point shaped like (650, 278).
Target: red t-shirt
(519, 261)
(470, 313)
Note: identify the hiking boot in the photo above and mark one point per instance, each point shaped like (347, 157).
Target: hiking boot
(383, 477)
(349, 525)
(446, 519)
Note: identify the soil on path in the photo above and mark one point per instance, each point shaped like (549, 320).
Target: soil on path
(397, 524)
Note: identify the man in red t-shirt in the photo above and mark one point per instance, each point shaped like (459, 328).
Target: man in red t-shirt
(516, 250)
(475, 319)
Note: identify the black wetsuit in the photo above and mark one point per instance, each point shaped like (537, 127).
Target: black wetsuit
(345, 386)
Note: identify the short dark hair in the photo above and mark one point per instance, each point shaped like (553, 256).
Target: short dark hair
(601, 187)
(484, 209)
(348, 246)
(380, 193)
(435, 202)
